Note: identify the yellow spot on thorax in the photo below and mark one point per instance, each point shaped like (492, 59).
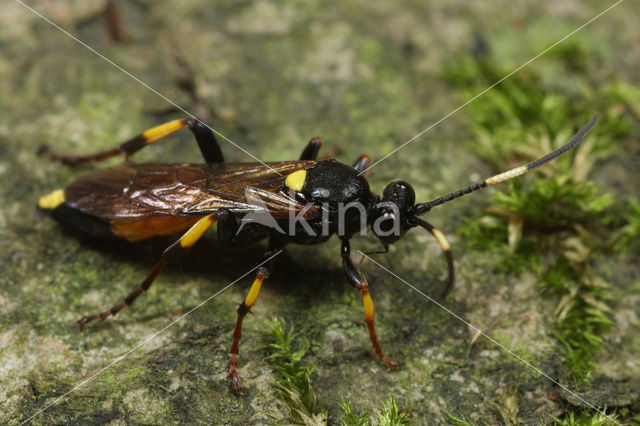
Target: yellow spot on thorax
(51, 201)
(296, 180)
(155, 133)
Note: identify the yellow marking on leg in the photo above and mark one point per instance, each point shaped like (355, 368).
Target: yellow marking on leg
(368, 307)
(155, 133)
(442, 240)
(296, 180)
(506, 175)
(51, 201)
(254, 291)
(196, 231)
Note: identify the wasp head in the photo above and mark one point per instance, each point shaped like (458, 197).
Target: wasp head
(393, 215)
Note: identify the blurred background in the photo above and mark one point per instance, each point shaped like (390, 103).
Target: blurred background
(547, 264)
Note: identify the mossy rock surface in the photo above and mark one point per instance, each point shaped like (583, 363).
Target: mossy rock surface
(269, 75)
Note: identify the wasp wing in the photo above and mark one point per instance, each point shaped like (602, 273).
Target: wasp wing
(136, 191)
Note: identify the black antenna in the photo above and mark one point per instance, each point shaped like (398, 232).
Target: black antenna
(422, 208)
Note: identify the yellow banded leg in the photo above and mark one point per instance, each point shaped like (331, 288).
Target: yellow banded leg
(205, 138)
(171, 254)
(243, 309)
(368, 319)
(129, 147)
(356, 278)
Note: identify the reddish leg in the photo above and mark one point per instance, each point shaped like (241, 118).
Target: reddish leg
(205, 138)
(128, 300)
(243, 309)
(171, 254)
(356, 278)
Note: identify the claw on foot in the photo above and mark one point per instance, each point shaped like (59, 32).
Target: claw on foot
(233, 373)
(84, 320)
(237, 384)
(391, 363)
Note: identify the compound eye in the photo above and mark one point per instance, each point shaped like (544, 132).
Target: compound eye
(296, 180)
(400, 193)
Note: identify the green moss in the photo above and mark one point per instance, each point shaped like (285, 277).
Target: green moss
(628, 237)
(457, 421)
(294, 388)
(581, 316)
(388, 415)
(584, 418)
(296, 392)
(544, 222)
(524, 108)
(350, 418)
(391, 415)
(554, 203)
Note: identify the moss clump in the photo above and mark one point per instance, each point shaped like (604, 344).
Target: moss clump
(581, 315)
(628, 237)
(585, 418)
(294, 388)
(457, 421)
(545, 221)
(389, 415)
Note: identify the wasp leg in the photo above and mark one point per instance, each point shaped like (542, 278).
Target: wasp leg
(361, 164)
(206, 141)
(171, 254)
(243, 309)
(356, 278)
(310, 151)
(227, 225)
(445, 246)
(209, 146)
